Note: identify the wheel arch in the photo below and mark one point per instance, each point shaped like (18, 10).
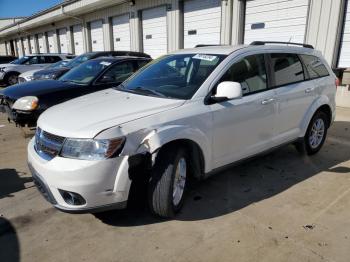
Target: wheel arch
(195, 141)
(322, 104)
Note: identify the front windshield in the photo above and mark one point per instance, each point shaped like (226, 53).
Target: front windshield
(59, 64)
(20, 61)
(86, 72)
(79, 60)
(173, 76)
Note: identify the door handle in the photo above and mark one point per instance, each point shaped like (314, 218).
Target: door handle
(267, 101)
(309, 90)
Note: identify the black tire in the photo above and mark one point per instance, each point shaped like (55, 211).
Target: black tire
(160, 189)
(8, 78)
(305, 144)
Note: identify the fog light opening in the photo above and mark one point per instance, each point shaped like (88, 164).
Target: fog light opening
(72, 198)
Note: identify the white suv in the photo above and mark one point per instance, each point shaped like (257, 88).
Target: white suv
(9, 72)
(184, 115)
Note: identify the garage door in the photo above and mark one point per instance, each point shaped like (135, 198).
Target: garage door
(275, 20)
(51, 42)
(154, 30)
(62, 36)
(26, 46)
(96, 36)
(202, 22)
(78, 39)
(8, 48)
(344, 56)
(32, 44)
(19, 47)
(121, 32)
(41, 43)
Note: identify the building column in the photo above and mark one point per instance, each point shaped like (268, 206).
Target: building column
(136, 31)
(226, 22)
(107, 34)
(238, 18)
(86, 37)
(175, 35)
(70, 39)
(45, 43)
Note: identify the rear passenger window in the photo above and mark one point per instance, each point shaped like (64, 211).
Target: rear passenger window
(250, 72)
(314, 66)
(287, 69)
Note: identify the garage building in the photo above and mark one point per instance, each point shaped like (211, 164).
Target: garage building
(158, 27)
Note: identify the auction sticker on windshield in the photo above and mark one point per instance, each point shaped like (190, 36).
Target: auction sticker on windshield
(105, 63)
(205, 57)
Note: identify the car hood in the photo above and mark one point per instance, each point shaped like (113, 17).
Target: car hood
(35, 88)
(29, 73)
(8, 65)
(52, 71)
(86, 116)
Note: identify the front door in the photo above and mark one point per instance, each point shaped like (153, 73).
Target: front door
(244, 127)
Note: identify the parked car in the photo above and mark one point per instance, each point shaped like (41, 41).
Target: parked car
(55, 73)
(7, 59)
(9, 72)
(25, 102)
(187, 114)
(29, 75)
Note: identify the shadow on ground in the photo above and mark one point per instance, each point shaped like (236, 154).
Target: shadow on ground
(248, 183)
(11, 182)
(9, 245)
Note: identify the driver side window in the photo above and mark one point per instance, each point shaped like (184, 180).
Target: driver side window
(118, 73)
(250, 72)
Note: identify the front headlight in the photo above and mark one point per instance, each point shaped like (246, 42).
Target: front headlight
(26, 103)
(92, 149)
(49, 76)
(2, 69)
(29, 78)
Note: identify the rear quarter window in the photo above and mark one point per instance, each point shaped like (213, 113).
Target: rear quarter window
(314, 66)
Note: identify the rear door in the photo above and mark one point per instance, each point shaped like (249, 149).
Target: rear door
(244, 127)
(294, 94)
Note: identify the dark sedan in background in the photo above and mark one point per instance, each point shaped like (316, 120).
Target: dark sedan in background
(55, 73)
(25, 102)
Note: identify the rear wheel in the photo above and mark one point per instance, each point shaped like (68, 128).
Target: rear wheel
(11, 79)
(315, 134)
(168, 182)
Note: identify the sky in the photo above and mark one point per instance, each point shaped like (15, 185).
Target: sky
(14, 8)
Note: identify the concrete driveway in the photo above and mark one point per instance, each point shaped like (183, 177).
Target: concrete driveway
(279, 207)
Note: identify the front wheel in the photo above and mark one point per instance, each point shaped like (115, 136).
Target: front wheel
(316, 133)
(168, 182)
(11, 79)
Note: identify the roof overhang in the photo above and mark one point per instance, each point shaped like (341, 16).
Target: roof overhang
(56, 13)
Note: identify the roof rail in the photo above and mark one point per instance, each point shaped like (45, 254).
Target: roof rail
(204, 45)
(284, 43)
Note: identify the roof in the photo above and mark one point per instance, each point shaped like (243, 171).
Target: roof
(227, 49)
(116, 58)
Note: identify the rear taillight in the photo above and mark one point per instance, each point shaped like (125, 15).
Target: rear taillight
(337, 82)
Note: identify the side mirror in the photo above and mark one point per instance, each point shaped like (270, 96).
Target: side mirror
(227, 91)
(106, 79)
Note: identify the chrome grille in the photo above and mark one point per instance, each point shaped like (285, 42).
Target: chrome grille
(47, 145)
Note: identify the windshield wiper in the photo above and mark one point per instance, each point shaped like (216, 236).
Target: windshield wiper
(148, 91)
(140, 90)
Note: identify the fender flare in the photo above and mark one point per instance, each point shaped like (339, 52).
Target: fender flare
(321, 101)
(157, 138)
